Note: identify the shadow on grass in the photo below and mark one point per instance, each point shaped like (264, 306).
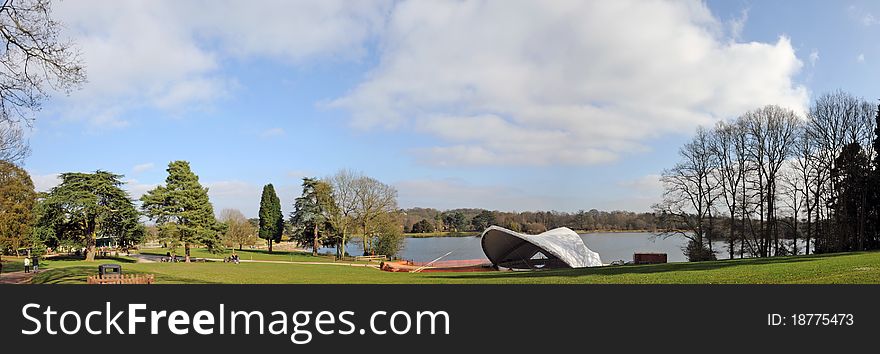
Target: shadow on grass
(645, 269)
(78, 275)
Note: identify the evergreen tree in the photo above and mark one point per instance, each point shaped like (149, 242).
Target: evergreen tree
(85, 205)
(312, 212)
(483, 220)
(850, 174)
(271, 219)
(182, 209)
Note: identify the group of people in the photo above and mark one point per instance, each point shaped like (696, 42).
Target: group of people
(31, 262)
(170, 258)
(232, 259)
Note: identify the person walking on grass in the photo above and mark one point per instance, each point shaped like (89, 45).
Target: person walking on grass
(36, 263)
(27, 264)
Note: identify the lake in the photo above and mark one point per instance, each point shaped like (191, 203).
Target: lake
(610, 246)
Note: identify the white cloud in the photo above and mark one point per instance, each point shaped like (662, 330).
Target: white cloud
(273, 132)
(869, 20)
(860, 58)
(136, 189)
(737, 24)
(814, 57)
(43, 183)
(167, 54)
(519, 82)
(454, 193)
(143, 167)
(646, 184)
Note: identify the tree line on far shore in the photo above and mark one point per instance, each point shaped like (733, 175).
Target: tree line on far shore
(773, 182)
(429, 220)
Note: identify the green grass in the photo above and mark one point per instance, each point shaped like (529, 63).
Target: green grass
(13, 264)
(246, 254)
(834, 268)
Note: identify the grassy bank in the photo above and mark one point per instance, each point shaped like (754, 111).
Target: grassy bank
(833, 268)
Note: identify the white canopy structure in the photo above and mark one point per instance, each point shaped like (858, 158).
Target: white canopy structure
(557, 248)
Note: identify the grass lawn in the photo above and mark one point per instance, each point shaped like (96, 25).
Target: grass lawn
(245, 254)
(861, 267)
(13, 264)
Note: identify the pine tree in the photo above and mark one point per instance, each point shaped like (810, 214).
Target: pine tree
(182, 208)
(88, 204)
(312, 212)
(271, 219)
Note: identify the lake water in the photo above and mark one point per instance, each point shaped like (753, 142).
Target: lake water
(610, 246)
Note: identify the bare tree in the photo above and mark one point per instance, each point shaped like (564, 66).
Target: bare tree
(344, 185)
(771, 130)
(36, 60)
(13, 147)
(374, 200)
(731, 163)
(239, 231)
(690, 189)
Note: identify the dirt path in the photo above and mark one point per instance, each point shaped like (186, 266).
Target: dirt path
(300, 262)
(19, 277)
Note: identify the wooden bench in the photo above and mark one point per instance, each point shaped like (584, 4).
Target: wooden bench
(122, 279)
(380, 257)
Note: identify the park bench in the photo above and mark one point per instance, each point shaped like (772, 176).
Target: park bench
(121, 279)
(380, 257)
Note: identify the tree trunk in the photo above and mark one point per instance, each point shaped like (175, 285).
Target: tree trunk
(315, 241)
(269, 241)
(240, 246)
(91, 230)
(186, 252)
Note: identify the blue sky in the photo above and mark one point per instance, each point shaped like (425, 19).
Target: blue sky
(501, 105)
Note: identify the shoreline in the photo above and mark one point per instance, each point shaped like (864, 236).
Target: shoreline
(474, 233)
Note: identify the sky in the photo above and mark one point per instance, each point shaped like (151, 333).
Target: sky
(503, 105)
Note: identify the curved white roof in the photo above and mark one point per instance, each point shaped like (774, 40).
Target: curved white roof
(516, 250)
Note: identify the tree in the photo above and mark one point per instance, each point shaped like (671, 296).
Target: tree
(271, 219)
(771, 130)
(85, 205)
(239, 231)
(389, 234)
(35, 59)
(17, 199)
(13, 147)
(483, 220)
(423, 226)
(374, 200)
(689, 195)
(312, 212)
(729, 149)
(182, 209)
(851, 169)
(344, 185)
(454, 221)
